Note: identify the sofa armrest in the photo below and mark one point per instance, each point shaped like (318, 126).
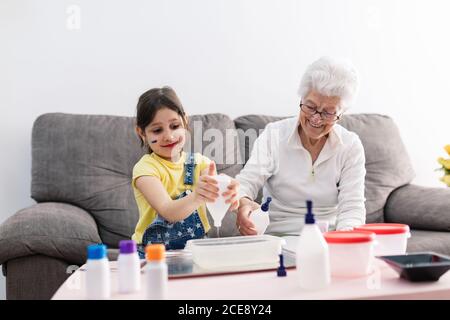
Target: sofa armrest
(52, 229)
(419, 207)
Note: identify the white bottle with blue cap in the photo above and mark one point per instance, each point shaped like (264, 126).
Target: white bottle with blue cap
(260, 217)
(313, 261)
(98, 286)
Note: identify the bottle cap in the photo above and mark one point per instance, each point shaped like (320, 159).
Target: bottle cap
(155, 252)
(281, 271)
(309, 218)
(127, 246)
(96, 251)
(265, 205)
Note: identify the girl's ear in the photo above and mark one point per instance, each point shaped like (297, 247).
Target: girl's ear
(140, 133)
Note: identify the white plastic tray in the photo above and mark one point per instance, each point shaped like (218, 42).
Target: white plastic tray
(236, 251)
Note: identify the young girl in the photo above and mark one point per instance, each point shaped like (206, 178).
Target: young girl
(171, 186)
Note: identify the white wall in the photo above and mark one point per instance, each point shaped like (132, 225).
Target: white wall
(231, 56)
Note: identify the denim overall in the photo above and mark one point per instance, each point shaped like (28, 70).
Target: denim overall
(175, 235)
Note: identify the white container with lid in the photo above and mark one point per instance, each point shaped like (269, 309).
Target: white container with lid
(235, 251)
(392, 238)
(351, 252)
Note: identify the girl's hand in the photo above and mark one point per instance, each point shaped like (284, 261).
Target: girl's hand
(243, 222)
(207, 189)
(231, 194)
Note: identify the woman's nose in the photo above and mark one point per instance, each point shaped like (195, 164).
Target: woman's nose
(316, 117)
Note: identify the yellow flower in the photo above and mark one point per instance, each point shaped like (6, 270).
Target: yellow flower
(447, 148)
(446, 180)
(444, 162)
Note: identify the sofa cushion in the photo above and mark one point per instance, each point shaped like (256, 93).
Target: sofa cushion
(57, 230)
(387, 164)
(214, 135)
(249, 127)
(87, 160)
(419, 207)
(422, 240)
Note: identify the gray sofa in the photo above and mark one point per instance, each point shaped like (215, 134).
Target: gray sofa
(81, 171)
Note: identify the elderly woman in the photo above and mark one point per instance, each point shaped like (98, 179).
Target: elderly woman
(309, 158)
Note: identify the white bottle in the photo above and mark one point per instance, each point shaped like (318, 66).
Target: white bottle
(98, 286)
(156, 273)
(129, 267)
(219, 208)
(260, 217)
(313, 261)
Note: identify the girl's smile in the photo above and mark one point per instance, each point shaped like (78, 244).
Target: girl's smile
(170, 145)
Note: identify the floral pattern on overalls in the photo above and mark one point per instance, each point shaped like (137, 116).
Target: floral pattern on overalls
(175, 235)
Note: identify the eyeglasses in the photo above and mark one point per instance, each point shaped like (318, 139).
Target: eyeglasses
(326, 116)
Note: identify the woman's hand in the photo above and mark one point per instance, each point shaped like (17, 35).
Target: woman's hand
(231, 194)
(206, 189)
(243, 222)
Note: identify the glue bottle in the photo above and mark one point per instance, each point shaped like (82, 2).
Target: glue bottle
(98, 285)
(313, 262)
(129, 267)
(156, 273)
(260, 217)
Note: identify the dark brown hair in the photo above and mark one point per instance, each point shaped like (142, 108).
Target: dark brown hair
(156, 99)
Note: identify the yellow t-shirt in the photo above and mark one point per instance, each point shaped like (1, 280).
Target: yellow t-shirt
(171, 175)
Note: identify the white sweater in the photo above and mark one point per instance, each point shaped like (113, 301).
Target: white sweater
(335, 182)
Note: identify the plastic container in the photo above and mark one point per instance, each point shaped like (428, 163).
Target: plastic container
(156, 272)
(351, 252)
(219, 208)
(129, 267)
(260, 217)
(312, 255)
(98, 286)
(392, 238)
(220, 253)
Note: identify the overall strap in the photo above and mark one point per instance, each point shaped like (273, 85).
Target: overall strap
(189, 167)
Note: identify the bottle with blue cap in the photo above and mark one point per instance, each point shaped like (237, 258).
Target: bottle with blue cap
(98, 286)
(312, 257)
(260, 217)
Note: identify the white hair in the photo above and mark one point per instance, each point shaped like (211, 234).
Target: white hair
(331, 78)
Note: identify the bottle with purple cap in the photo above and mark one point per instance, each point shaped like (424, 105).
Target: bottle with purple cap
(129, 267)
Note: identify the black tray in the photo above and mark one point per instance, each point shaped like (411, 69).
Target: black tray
(420, 266)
